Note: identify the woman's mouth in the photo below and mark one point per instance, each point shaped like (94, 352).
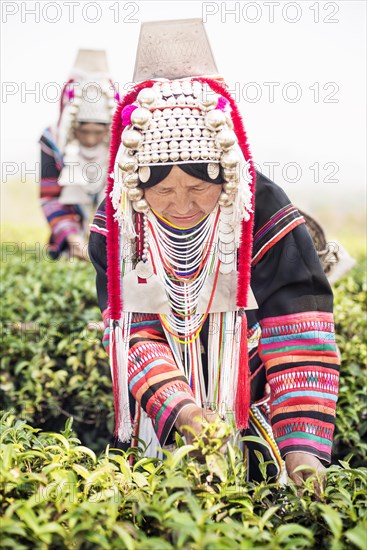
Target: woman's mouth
(185, 218)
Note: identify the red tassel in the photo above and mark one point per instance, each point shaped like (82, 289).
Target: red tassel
(245, 250)
(113, 254)
(242, 405)
(115, 384)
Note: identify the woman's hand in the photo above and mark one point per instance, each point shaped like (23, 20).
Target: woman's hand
(293, 460)
(192, 416)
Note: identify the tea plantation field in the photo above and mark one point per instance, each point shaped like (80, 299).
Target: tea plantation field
(65, 487)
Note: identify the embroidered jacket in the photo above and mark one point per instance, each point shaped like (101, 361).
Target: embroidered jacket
(63, 219)
(296, 349)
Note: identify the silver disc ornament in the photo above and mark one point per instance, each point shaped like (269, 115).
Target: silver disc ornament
(144, 270)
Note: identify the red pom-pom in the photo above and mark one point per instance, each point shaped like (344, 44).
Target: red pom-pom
(222, 103)
(126, 114)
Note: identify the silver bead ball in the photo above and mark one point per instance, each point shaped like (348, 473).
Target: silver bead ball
(132, 139)
(174, 156)
(230, 175)
(128, 164)
(141, 118)
(226, 139)
(167, 112)
(215, 119)
(131, 180)
(230, 187)
(184, 144)
(224, 199)
(147, 97)
(163, 157)
(141, 206)
(229, 160)
(173, 144)
(185, 155)
(171, 101)
(135, 194)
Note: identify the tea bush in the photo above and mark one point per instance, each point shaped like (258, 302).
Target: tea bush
(53, 367)
(60, 494)
(62, 488)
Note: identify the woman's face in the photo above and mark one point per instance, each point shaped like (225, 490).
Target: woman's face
(90, 134)
(182, 199)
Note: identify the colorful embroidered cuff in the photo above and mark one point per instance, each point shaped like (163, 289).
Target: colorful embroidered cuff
(156, 382)
(302, 367)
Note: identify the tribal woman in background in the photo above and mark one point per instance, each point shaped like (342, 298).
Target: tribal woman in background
(74, 155)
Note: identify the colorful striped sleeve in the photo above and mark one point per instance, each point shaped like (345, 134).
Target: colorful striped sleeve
(297, 343)
(154, 379)
(302, 368)
(51, 164)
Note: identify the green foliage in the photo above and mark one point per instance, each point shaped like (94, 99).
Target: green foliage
(54, 367)
(351, 323)
(62, 488)
(58, 493)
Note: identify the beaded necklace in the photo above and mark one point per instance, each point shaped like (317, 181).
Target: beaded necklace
(182, 259)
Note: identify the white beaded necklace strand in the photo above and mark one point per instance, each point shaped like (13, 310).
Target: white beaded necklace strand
(184, 254)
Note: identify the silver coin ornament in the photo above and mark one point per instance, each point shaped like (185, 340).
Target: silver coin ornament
(144, 270)
(144, 173)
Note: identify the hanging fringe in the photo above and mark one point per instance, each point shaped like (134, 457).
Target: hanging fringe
(245, 250)
(113, 249)
(120, 333)
(242, 404)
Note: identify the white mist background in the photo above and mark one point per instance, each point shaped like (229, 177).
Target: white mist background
(306, 52)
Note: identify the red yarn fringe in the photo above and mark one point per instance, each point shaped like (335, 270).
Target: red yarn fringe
(245, 251)
(242, 403)
(116, 389)
(113, 243)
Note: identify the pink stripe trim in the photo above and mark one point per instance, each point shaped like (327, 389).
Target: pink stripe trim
(307, 316)
(169, 409)
(97, 229)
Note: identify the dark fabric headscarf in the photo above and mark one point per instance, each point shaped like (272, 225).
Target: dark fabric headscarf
(196, 169)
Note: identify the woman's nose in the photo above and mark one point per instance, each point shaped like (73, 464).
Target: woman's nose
(182, 203)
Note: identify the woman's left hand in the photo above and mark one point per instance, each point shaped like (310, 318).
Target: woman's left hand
(293, 460)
